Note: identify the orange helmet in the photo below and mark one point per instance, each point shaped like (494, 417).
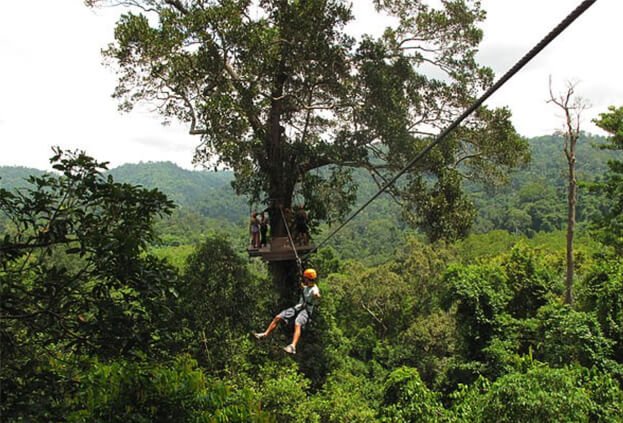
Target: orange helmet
(310, 274)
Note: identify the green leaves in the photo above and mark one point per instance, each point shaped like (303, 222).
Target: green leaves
(608, 221)
(542, 394)
(481, 295)
(406, 398)
(567, 336)
(75, 278)
(166, 392)
(602, 292)
(220, 299)
(277, 90)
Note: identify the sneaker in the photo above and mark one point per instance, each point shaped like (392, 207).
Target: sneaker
(259, 335)
(290, 349)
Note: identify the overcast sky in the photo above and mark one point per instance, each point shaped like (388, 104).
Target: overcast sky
(55, 91)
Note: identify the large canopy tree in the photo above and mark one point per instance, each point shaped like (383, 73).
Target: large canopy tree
(609, 221)
(281, 92)
(76, 282)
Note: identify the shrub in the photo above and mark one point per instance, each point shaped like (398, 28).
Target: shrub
(124, 391)
(542, 394)
(407, 399)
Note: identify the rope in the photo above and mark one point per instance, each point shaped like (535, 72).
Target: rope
(298, 259)
(509, 74)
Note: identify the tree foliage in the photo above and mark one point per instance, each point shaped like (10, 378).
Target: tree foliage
(75, 278)
(608, 220)
(94, 328)
(542, 394)
(603, 293)
(406, 398)
(124, 391)
(221, 300)
(278, 90)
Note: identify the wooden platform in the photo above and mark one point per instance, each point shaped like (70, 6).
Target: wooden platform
(279, 249)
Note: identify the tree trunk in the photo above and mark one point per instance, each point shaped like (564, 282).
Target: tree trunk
(571, 202)
(285, 281)
(285, 274)
(572, 108)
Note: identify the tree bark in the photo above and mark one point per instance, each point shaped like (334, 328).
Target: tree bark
(572, 108)
(282, 180)
(571, 203)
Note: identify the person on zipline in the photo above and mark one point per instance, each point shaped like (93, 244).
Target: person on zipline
(301, 312)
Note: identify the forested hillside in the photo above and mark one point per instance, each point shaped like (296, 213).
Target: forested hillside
(96, 325)
(208, 193)
(12, 177)
(532, 201)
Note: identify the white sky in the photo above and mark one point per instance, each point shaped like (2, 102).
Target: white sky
(55, 91)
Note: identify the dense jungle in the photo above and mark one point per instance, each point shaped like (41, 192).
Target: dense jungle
(484, 283)
(127, 294)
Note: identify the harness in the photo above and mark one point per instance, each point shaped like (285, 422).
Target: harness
(305, 305)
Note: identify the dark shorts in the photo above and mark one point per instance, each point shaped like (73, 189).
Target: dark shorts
(300, 317)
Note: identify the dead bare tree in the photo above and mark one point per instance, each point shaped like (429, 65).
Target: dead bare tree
(572, 107)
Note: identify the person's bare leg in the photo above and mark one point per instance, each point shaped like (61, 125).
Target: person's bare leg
(297, 334)
(272, 326)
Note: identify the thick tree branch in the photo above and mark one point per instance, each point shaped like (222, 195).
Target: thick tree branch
(177, 5)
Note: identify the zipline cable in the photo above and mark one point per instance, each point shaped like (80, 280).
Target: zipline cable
(509, 74)
(298, 259)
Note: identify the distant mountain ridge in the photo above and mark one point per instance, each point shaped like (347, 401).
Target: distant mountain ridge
(205, 192)
(12, 177)
(210, 194)
(181, 185)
